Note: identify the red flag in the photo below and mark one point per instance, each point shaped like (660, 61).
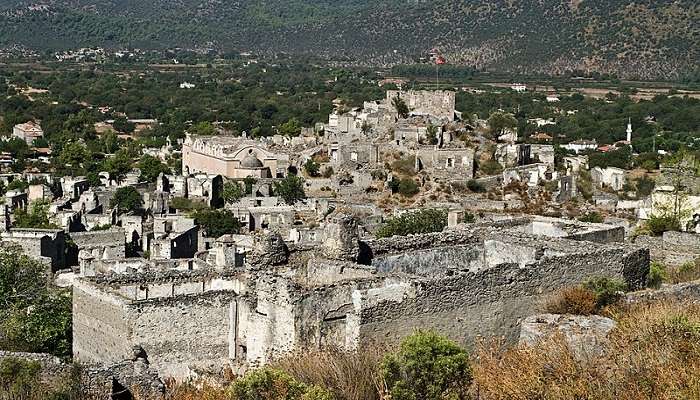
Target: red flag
(439, 60)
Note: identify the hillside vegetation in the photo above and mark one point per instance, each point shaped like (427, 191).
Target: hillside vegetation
(634, 39)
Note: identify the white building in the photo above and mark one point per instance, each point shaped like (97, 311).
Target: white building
(611, 177)
(28, 132)
(578, 146)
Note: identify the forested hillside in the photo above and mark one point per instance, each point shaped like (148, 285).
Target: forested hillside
(642, 39)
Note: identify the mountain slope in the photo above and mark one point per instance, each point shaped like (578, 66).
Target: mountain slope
(643, 38)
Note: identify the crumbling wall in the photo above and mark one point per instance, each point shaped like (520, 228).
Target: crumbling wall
(101, 325)
(673, 248)
(432, 262)
(493, 301)
(184, 333)
(109, 244)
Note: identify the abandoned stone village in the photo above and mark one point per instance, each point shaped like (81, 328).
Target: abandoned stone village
(155, 296)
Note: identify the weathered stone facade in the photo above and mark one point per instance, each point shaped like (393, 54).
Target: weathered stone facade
(464, 283)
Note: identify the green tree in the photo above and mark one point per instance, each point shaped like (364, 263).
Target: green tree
(109, 142)
(415, 222)
(202, 129)
(119, 165)
(400, 106)
(121, 124)
(34, 317)
(36, 216)
(248, 182)
(127, 199)
(151, 167)
(73, 155)
(290, 189)
(312, 168)
(427, 366)
(290, 128)
(216, 223)
(233, 192)
(432, 134)
(499, 122)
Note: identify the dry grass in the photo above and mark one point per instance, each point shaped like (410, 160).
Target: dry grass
(654, 353)
(348, 375)
(687, 272)
(575, 300)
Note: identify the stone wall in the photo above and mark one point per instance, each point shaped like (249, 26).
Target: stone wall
(45, 244)
(107, 244)
(182, 321)
(673, 248)
(492, 301)
(184, 334)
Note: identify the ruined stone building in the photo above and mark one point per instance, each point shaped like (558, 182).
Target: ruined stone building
(437, 103)
(516, 155)
(231, 157)
(466, 282)
(452, 163)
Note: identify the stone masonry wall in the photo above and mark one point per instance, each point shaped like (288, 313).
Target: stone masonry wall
(184, 333)
(101, 326)
(495, 300)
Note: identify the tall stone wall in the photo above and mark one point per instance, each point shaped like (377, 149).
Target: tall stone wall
(183, 334)
(101, 326)
(492, 301)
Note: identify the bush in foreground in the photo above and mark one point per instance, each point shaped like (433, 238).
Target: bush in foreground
(592, 297)
(427, 366)
(272, 384)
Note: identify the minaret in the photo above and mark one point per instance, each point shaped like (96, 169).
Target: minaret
(629, 131)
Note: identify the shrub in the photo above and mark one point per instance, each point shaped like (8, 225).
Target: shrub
(422, 221)
(644, 186)
(427, 366)
(652, 352)
(404, 166)
(348, 375)
(312, 168)
(657, 225)
(575, 300)
(593, 217)
(608, 291)
(272, 384)
(408, 187)
(469, 218)
(657, 275)
(475, 186)
(328, 172)
(18, 377)
(686, 272)
(184, 204)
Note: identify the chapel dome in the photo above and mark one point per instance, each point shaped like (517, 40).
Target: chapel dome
(251, 161)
